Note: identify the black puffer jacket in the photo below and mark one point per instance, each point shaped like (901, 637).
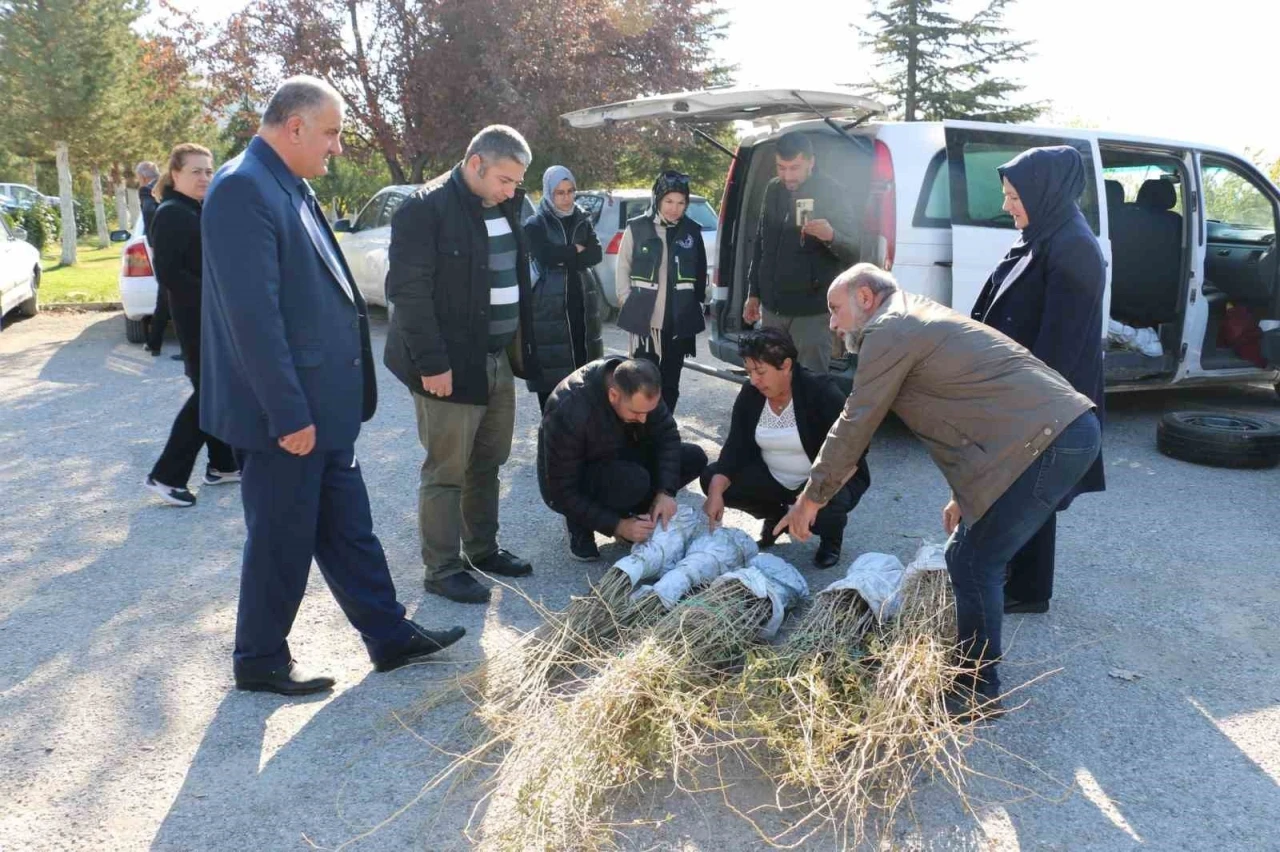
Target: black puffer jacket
(566, 301)
(579, 427)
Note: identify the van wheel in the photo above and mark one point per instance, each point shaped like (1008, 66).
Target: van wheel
(135, 331)
(1219, 439)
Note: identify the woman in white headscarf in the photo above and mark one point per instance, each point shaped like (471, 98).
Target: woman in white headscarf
(566, 311)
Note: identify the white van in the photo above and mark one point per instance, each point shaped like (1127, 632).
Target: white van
(1186, 228)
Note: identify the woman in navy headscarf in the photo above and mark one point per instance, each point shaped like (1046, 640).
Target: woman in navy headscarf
(1047, 295)
(566, 313)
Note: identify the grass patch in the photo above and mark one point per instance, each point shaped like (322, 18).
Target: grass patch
(94, 278)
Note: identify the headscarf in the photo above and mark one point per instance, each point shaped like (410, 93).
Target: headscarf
(1050, 182)
(550, 180)
(668, 182)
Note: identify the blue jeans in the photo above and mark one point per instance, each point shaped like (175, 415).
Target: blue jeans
(977, 554)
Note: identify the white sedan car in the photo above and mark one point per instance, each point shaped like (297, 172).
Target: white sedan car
(138, 286)
(366, 241)
(19, 272)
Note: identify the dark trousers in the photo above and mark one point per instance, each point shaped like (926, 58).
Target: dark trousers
(159, 320)
(671, 364)
(625, 484)
(1029, 577)
(978, 553)
(542, 400)
(752, 489)
(297, 508)
(176, 462)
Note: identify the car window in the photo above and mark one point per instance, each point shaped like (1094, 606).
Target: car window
(1131, 179)
(631, 209)
(393, 202)
(369, 215)
(5, 226)
(1233, 199)
(704, 214)
(593, 204)
(933, 210)
(977, 195)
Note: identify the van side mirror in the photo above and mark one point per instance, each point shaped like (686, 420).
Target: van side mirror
(342, 226)
(121, 236)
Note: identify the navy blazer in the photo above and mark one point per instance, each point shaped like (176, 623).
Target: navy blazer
(283, 345)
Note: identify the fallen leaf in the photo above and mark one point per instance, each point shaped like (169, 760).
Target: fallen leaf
(1124, 674)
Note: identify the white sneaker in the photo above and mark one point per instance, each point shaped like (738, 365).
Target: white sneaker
(220, 477)
(173, 496)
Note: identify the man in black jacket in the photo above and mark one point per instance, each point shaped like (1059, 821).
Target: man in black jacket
(462, 327)
(807, 235)
(147, 175)
(609, 455)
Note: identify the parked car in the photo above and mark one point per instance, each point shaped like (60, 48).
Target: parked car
(1186, 228)
(366, 240)
(9, 205)
(138, 287)
(19, 272)
(610, 211)
(23, 196)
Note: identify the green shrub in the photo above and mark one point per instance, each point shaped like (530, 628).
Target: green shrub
(41, 224)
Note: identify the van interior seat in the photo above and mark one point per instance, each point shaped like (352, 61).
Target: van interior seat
(1146, 253)
(1115, 203)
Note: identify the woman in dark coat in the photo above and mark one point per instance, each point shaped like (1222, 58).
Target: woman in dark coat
(779, 421)
(566, 312)
(175, 245)
(1047, 295)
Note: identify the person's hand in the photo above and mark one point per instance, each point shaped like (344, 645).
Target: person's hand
(951, 517)
(299, 443)
(713, 507)
(664, 509)
(580, 249)
(751, 310)
(440, 385)
(819, 229)
(799, 519)
(634, 530)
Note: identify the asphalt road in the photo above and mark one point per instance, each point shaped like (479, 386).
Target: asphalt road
(121, 730)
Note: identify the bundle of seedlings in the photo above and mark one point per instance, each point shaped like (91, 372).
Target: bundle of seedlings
(708, 556)
(851, 723)
(590, 626)
(570, 764)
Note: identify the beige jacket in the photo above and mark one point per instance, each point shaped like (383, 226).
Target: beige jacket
(983, 405)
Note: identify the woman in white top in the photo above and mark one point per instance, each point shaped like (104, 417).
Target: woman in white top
(779, 423)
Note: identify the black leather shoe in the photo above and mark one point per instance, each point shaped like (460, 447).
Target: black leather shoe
(582, 544)
(828, 553)
(460, 587)
(503, 563)
(421, 645)
(767, 538)
(286, 680)
(177, 357)
(1013, 606)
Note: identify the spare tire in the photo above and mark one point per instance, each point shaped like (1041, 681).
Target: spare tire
(1219, 438)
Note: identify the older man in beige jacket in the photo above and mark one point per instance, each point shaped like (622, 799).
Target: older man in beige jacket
(1010, 435)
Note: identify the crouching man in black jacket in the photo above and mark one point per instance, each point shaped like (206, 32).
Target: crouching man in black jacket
(609, 455)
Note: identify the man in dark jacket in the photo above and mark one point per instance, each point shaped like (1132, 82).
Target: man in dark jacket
(462, 327)
(609, 455)
(806, 235)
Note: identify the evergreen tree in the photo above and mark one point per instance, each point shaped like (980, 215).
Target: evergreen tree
(941, 66)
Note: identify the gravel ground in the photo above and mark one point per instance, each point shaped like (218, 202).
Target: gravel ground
(121, 729)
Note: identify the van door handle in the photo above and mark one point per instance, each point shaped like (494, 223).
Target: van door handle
(945, 263)
(1224, 252)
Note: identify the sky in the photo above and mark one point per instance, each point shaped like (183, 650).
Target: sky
(1121, 65)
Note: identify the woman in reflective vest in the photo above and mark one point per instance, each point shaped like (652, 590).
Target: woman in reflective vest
(662, 282)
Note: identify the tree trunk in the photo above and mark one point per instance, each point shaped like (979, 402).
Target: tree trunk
(913, 60)
(100, 209)
(68, 210)
(135, 207)
(35, 175)
(123, 220)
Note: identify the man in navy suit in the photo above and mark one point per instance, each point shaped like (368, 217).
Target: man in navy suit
(286, 379)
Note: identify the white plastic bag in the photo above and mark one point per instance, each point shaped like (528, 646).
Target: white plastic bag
(877, 578)
(665, 548)
(707, 557)
(1144, 340)
(768, 576)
